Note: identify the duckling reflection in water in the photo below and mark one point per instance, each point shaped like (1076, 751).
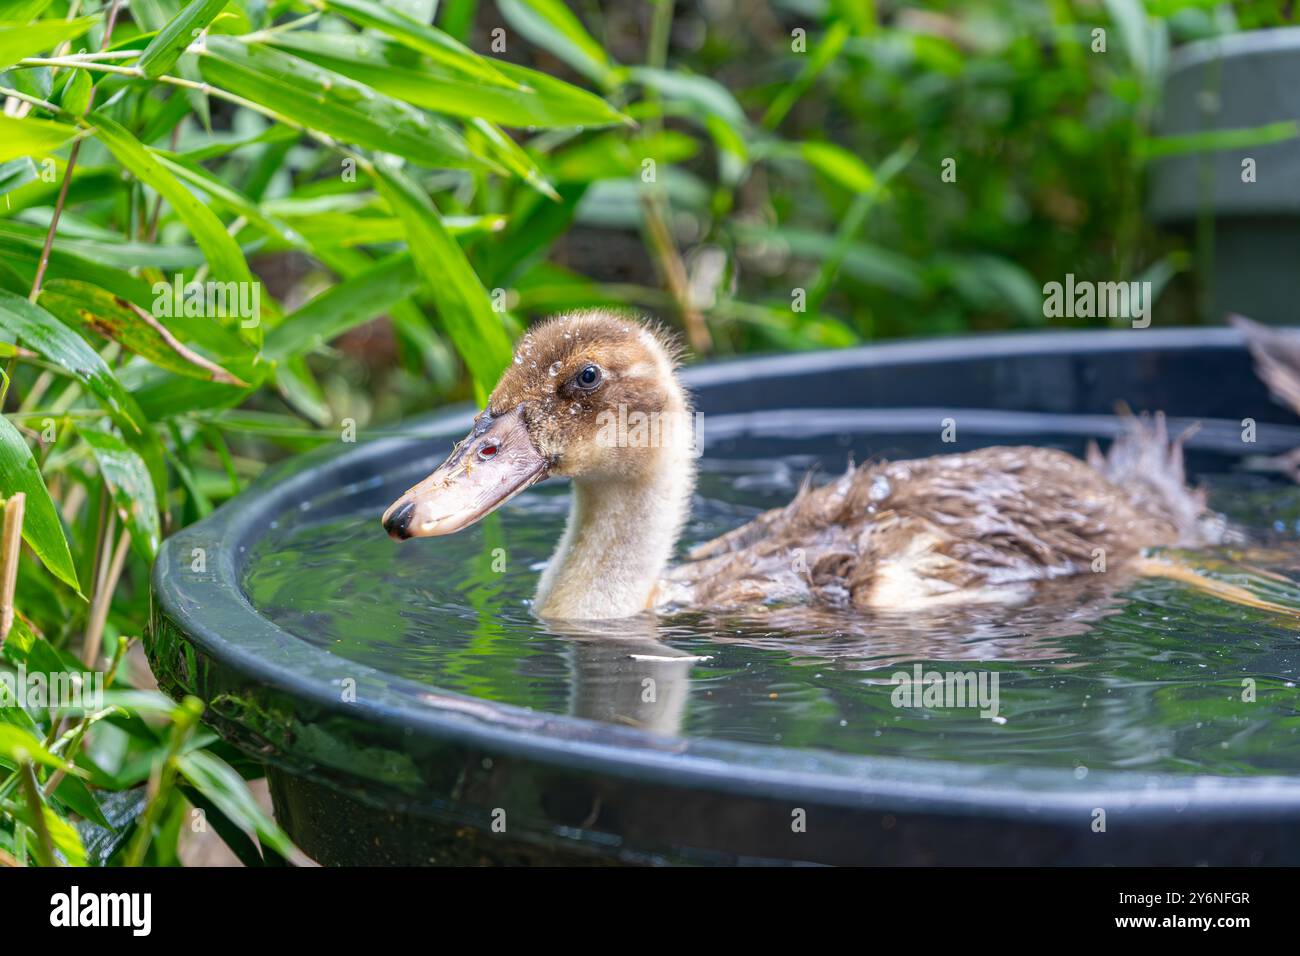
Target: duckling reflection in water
(987, 527)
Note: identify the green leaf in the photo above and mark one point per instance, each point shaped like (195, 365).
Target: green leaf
(62, 834)
(31, 137)
(837, 163)
(733, 153)
(867, 263)
(232, 200)
(73, 793)
(1157, 147)
(173, 39)
(235, 839)
(426, 39)
(343, 307)
(514, 158)
(1130, 19)
(323, 100)
(699, 93)
(462, 302)
(223, 254)
(18, 40)
(76, 94)
(132, 487)
(19, 746)
(220, 783)
(16, 173)
(539, 100)
(42, 529)
(130, 326)
(105, 249)
(827, 49)
(22, 11)
(43, 333)
(325, 230)
(553, 27)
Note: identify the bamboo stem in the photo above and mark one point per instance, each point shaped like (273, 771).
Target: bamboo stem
(104, 597)
(11, 540)
(37, 807)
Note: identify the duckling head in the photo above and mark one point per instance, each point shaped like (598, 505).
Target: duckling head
(589, 396)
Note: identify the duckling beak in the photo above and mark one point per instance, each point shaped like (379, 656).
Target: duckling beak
(495, 462)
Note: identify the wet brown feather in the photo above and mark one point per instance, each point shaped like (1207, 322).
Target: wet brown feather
(977, 526)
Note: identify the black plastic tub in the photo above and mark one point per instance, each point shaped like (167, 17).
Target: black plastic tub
(405, 774)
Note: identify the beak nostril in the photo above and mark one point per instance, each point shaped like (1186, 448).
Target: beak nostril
(398, 522)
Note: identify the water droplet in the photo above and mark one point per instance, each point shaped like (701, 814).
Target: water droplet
(555, 369)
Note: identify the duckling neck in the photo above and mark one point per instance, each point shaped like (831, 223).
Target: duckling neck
(617, 543)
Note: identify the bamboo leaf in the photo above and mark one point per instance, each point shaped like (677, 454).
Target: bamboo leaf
(42, 529)
(538, 100)
(323, 100)
(43, 333)
(422, 37)
(76, 94)
(701, 94)
(553, 27)
(462, 302)
(16, 173)
(130, 326)
(223, 254)
(173, 39)
(343, 307)
(106, 250)
(837, 163)
(514, 158)
(231, 199)
(220, 783)
(18, 40)
(63, 835)
(129, 480)
(27, 137)
(22, 11)
(73, 793)
(18, 745)
(1212, 140)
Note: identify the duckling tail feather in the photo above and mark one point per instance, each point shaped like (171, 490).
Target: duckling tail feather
(1148, 466)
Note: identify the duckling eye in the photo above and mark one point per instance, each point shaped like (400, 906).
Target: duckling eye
(588, 378)
(488, 450)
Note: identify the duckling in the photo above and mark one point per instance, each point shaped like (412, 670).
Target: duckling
(980, 527)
